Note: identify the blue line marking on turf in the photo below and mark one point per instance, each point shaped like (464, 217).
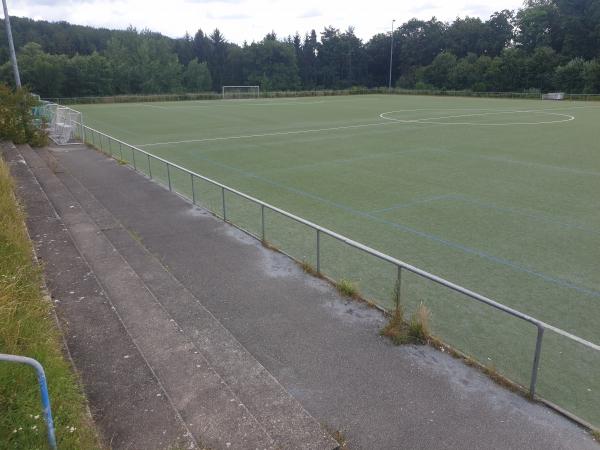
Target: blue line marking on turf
(472, 251)
(480, 204)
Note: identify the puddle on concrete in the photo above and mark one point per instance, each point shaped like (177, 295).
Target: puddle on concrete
(196, 211)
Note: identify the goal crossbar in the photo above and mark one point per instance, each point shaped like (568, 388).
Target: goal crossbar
(240, 92)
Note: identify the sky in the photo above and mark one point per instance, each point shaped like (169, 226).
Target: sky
(251, 20)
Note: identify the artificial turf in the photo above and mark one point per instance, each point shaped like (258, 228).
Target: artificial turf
(499, 196)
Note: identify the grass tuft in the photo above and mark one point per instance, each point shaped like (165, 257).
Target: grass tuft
(416, 331)
(596, 434)
(396, 329)
(309, 269)
(418, 328)
(27, 328)
(341, 439)
(347, 288)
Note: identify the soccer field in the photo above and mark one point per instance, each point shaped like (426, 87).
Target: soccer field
(500, 196)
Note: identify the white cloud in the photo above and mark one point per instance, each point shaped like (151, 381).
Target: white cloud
(249, 20)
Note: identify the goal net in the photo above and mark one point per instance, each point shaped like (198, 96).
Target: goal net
(64, 125)
(241, 92)
(553, 96)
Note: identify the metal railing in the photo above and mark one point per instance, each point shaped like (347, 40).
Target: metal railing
(41, 376)
(116, 147)
(134, 98)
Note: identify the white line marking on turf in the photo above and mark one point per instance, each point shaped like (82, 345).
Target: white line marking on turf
(277, 133)
(425, 120)
(155, 106)
(221, 105)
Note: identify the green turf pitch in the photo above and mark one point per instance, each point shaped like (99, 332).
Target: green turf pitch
(500, 196)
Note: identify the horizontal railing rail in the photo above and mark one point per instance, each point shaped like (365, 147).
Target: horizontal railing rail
(92, 135)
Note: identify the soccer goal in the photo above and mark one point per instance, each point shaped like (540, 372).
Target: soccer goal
(553, 96)
(64, 125)
(241, 92)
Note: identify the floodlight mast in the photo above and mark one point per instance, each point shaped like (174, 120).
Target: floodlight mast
(391, 55)
(11, 46)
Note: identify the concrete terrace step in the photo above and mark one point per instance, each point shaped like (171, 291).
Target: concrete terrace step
(126, 401)
(255, 401)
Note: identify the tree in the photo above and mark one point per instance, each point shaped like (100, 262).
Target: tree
(571, 76)
(308, 61)
(88, 76)
(196, 77)
(184, 48)
(272, 65)
(43, 73)
(438, 72)
(201, 46)
(538, 26)
(591, 76)
(500, 32)
(217, 58)
(468, 35)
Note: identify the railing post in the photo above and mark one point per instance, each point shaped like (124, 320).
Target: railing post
(169, 176)
(318, 251)
(399, 287)
(149, 167)
(223, 199)
(536, 361)
(133, 158)
(121, 150)
(101, 147)
(193, 190)
(262, 221)
(109, 147)
(45, 397)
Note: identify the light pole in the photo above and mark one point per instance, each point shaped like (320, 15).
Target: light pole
(391, 55)
(11, 46)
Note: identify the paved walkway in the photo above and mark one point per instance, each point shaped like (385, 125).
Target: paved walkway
(248, 310)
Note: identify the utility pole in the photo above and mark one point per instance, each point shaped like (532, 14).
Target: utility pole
(11, 46)
(391, 55)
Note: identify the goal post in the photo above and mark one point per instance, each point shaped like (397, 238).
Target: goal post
(553, 96)
(64, 125)
(240, 92)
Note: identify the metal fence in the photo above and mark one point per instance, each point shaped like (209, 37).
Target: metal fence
(222, 199)
(533, 95)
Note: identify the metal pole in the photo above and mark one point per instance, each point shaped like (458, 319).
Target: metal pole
(149, 167)
(133, 158)
(536, 361)
(11, 46)
(391, 55)
(193, 190)
(399, 287)
(169, 176)
(318, 251)
(262, 221)
(224, 210)
(41, 376)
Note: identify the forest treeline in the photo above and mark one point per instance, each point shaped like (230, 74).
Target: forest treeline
(546, 45)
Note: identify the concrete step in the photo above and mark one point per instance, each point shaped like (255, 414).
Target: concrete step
(210, 410)
(283, 418)
(127, 402)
